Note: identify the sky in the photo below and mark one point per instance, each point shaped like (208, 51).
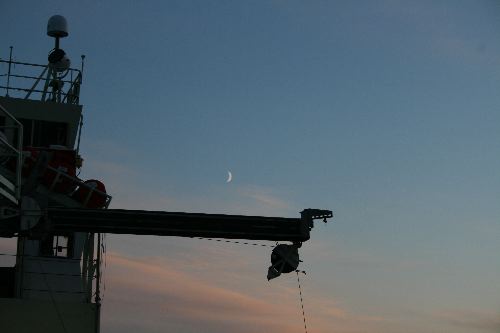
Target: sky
(385, 112)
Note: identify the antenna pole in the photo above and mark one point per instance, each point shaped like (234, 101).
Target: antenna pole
(81, 68)
(8, 74)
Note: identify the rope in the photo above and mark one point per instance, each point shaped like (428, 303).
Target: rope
(301, 301)
(233, 242)
(265, 245)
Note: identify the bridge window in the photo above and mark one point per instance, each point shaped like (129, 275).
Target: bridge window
(57, 246)
(41, 133)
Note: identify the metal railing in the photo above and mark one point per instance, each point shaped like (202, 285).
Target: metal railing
(48, 85)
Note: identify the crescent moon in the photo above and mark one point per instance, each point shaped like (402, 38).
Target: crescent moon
(229, 177)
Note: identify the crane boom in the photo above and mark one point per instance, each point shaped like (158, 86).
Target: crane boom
(139, 222)
(159, 223)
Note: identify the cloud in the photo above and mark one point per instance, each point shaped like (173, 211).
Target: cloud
(187, 300)
(268, 200)
(133, 189)
(472, 320)
(123, 183)
(443, 31)
(165, 294)
(264, 197)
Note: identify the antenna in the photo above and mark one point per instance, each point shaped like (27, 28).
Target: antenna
(57, 27)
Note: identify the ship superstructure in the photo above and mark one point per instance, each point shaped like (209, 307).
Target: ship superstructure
(58, 218)
(53, 285)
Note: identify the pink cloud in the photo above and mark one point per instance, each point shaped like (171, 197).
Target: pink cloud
(167, 289)
(169, 295)
(472, 320)
(191, 300)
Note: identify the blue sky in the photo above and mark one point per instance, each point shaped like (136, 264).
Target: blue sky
(384, 111)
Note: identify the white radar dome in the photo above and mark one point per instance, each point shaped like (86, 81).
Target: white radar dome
(57, 26)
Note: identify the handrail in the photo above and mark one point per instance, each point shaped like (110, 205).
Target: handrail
(59, 86)
(17, 150)
(32, 77)
(74, 84)
(33, 65)
(31, 90)
(21, 63)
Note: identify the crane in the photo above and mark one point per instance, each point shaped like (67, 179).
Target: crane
(58, 218)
